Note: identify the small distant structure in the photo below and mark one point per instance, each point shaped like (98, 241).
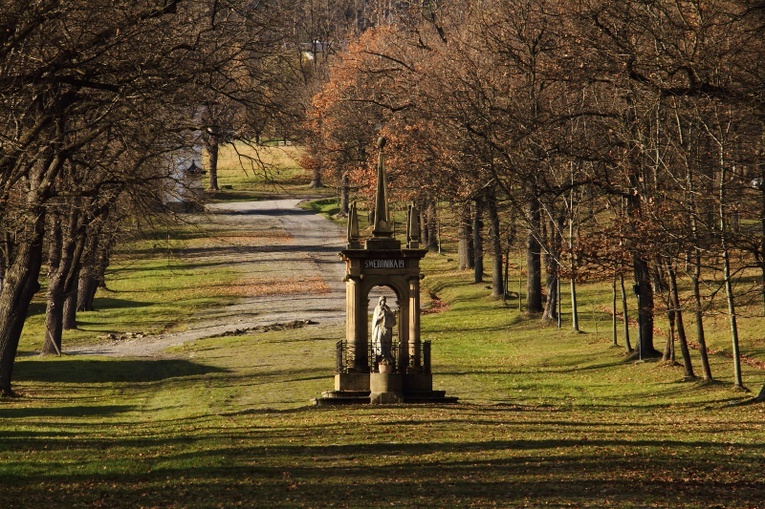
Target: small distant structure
(379, 370)
(193, 170)
(310, 50)
(185, 191)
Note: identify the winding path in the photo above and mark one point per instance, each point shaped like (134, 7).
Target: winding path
(312, 252)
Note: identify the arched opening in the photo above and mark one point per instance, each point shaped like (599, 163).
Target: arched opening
(384, 321)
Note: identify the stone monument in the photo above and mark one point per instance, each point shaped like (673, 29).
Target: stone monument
(379, 370)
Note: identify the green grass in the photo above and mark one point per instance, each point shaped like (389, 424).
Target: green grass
(329, 207)
(124, 308)
(547, 417)
(248, 171)
(227, 423)
(148, 291)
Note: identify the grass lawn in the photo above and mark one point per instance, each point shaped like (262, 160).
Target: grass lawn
(547, 417)
(258, 171)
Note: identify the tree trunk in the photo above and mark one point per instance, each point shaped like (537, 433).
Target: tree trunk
(669, 348)
(675, 302)
(465, 243)
(506, 280)
(316, 181)
(572, 216)
(695, 260)
(497, 281)
(640, 267)
(86, 291)
(93, 267)
(478, 241)
(762, 229)
(699, 315)
(344, 194)
(645, 308)
(552, 272)
(18, 289)
(61, 276)
(212, 153)
(88, 282)
(534, 258)
(574, 302)
(737, 378)
(550, 313)
(5, 251)
(54, 308)
(614, 313)
(54, 318)
(625, 315)
(70, 304)
(431, 227)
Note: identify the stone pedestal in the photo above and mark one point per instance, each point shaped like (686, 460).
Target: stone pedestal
(352, 382)
(385, 388)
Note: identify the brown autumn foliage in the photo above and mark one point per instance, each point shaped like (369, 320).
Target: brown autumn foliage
(623, 135)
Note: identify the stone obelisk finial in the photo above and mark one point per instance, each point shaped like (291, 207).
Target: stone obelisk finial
(381, 225)
(413, 227)
(353, 227)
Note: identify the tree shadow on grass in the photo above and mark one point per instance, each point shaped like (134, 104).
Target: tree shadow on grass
(273, 212)
(62, 411)
(93, 371)
(112, 303)
(36, 308)
(506, 473)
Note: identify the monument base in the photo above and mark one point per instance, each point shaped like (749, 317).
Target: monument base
(386, 388)
(382, 389)
(352, 382)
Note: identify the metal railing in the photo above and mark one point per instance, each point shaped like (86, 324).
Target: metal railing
(345, 356)
(374, 360)
(340, 348)
(426, 356)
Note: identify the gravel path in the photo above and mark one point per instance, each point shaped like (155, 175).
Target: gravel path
(311, 252)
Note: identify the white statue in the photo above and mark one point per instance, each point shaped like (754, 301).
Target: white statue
(383, 320)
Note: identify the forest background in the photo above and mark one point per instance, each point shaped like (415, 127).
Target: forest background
(611, 139)
(614, 143)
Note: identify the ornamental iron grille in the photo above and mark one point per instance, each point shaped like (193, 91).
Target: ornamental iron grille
(344, 356)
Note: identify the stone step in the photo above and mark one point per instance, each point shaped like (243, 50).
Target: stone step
(331, 398)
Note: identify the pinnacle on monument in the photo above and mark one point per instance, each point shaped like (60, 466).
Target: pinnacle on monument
(353, 227)
(381, 225)
(413, 227)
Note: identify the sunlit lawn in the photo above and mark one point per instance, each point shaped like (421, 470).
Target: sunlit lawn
(257, 171)
(547, 417)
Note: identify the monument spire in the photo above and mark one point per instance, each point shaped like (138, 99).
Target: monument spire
(412, 227)
(381, 225)
(353, 227)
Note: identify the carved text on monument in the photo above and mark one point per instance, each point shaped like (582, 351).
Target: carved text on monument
(384, 264)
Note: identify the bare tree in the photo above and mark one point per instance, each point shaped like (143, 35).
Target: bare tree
(82, 79)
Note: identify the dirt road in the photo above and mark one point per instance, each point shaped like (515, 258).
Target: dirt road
(309, 253)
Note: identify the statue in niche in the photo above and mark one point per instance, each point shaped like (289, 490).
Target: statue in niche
(383, 320)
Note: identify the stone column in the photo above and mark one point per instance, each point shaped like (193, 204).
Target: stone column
(403, 334)
(356, 325)
(415, 359)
